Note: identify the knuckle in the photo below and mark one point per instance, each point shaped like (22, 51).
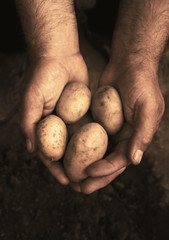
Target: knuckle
(154, 112)
(157, 106)
(146, 140)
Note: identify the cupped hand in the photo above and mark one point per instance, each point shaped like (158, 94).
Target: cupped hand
(44, 82)
(143, 107)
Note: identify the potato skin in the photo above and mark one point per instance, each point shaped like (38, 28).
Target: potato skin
(74, 102)
(106, 109)
(72, 128)
(52, 137)
(87, 145)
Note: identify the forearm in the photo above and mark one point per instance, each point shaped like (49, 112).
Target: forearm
(141, 31)
(50, 27)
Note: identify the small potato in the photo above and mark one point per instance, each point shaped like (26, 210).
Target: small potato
(52, 137)
(87, 145)
(72, 128)
(106, 109)
(74, 102)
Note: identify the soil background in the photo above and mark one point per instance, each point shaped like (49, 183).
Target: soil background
(33, 206)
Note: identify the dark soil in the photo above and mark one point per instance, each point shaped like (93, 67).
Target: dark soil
(34, 206)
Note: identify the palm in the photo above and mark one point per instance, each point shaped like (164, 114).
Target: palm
(143, 107)
(45, 83)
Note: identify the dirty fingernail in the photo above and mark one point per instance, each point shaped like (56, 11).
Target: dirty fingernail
(137, 157)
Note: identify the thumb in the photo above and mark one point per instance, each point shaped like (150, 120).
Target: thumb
(31, 112)
(146, 124)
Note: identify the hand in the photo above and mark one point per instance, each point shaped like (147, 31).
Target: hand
(44, 83)
(143, 107)
(137, 44)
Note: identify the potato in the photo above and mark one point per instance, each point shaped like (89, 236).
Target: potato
(106, 109)
(52, 137)
(74, 102)
(87, 145)
(72, 128)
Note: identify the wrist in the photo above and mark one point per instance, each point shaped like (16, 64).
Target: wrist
(50, 27)
(124, 59)
(129, 69)
(141, 31)
(143, 52)
(73, 66)
(61, 43)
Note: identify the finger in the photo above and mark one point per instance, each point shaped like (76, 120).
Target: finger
(116, 160)
(56, 169)
(75, 186)
(146, 124)
(112, 163)
(31, 112)
(52, 92)
(92, 184)
(78, 74)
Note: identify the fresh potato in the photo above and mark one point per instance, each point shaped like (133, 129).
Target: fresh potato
(72, 128)
(74, 102)
(87, 145)
(106, 109)
(52, 137)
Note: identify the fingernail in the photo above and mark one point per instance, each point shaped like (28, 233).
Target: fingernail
(137, 157)
(29, 145)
